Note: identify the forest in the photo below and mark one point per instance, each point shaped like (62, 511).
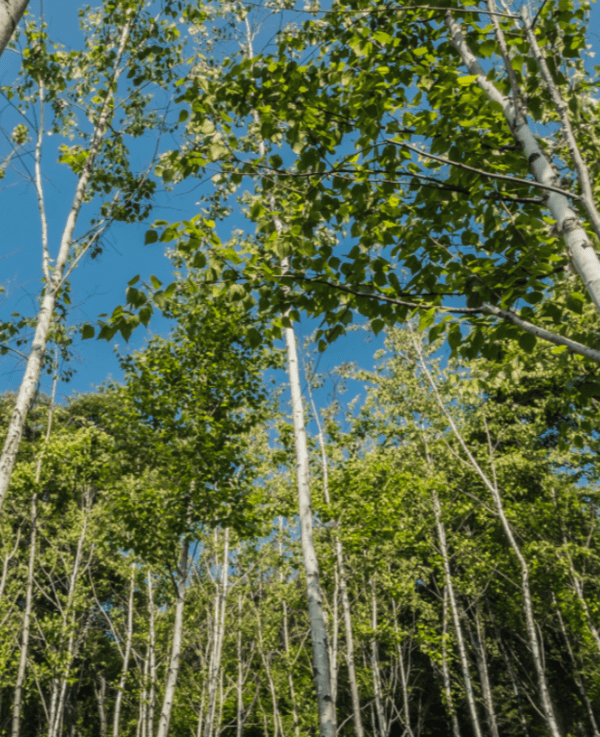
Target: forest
(227, 536)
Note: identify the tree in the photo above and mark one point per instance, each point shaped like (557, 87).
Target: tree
(416, 171)
(10, 14)
(85, 96)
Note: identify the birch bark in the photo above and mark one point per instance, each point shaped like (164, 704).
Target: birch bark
(381, 720)
(126, 655)
(151, 660)
(321, 665)
(343, 587)
(176, 645)
(579, 246)
(547, 706)
(18, 697)
(52, 287)
(462, 651)
(218, 634)
(445, 669)
(10, 14)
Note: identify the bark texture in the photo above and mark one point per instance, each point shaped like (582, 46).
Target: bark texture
(10, 14)
(579, 246)
(321, 665)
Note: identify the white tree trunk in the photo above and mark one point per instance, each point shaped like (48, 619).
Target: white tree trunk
(59, 685)
(16, 714)
(10, 14)
(343, 588)
(151, 660)
(321, 665)
(52, 287)
(579, 246)
(286, 641)
(173, 670)
(381, 720)
(445, 669)
(126, 655)
(214, 667)
(462, 651)
(492, 487)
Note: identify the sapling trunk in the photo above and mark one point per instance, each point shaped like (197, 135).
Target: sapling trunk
(449, 585)
(176, 644)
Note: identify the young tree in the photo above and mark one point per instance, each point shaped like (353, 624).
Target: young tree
(95, 96)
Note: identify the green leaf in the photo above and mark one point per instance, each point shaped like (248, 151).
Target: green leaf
(87, 331)
(527, 342)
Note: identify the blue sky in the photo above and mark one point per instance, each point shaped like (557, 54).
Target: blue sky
(99, 285)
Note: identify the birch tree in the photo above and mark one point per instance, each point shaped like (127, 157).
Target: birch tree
(11, 12)
(82, 95)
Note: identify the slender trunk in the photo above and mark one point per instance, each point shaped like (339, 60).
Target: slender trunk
(579, 246)
(286, 641)
(51, 289)
(445, 669)
(343, 589)
(176, 645)
(200, 724)
(403, 672)
(142, 728)
(126, 655)
(240, 675)
(383, 727)
(547, 706)
(321, 665)
(335, 629)
(462, 651)
(59, 685)
(16, 715)
(101, 701)
(267, 666)
(478, 642)
(219, 632)
(18, 697)
(320, 648)
(10, 14)
(576, 670)
(151, 660)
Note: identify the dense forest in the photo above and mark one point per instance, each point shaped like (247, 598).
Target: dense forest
(209, 546)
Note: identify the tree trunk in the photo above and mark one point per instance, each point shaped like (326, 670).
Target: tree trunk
(492, 487)
(10, 14)
(127, 653)
(176, 645)
(286, 640)
(478, 642)
(445, 669)
(343, 587)
(462, 651)
(381, 720)
(321, 665)
(214, 667)
(18, 697)
(403, 672)
(59, 685)
(52, 287)
(579, 246)
(151, 660)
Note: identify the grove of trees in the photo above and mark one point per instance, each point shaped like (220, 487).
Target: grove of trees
(185, 551)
